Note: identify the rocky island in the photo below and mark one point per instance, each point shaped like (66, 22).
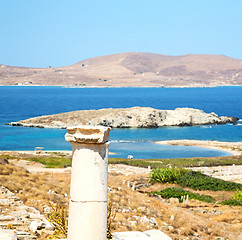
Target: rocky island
(135, 117)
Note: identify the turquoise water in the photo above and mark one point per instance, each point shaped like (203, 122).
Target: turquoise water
(145, 150)
(18, 103)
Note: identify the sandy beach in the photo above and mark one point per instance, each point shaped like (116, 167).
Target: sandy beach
(235, 148)
(231, 173)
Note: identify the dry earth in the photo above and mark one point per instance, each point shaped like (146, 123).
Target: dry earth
(132, 70)
(134, 209)
(231, 173)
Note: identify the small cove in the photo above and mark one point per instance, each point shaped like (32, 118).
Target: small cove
(141, 146)
(146, 150)
(24, 102)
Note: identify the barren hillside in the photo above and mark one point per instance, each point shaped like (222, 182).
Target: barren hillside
(133, 70)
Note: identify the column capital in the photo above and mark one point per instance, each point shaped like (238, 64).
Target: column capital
(87, 134)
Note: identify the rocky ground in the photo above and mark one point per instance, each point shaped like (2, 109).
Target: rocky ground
(134, 210)
(135, 117)
(20, 220)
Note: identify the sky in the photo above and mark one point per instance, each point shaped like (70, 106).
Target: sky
(42, 33)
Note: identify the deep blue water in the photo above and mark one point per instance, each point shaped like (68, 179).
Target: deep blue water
(18, 103)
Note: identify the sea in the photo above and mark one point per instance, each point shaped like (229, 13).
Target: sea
(21, 102)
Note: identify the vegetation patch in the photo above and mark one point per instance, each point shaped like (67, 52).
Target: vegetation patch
(175, 192)
(58, 218)
(167, 175)
(237, 196)
(192, 179)
(200, 181)
(53, 162)
(232, 202)
(59, 160)
(236, 199)
(180, 162)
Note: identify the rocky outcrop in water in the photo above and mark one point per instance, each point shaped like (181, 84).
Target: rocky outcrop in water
(136, 117)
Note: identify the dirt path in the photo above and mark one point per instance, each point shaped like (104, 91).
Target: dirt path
(229, 173)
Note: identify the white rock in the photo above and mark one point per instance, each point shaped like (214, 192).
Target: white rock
(47, 224)
(142, 209)
(35, 225)
(6, 218)
(153, 222)
(34, 216)
(23, 233)
(47, 209)
(144, 219)
(6, 234)
(130, 236)
(157, 235)
(4, 202)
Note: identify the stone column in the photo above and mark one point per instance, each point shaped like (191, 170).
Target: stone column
(89, 183)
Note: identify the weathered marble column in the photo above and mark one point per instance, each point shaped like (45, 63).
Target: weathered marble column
(89, 183)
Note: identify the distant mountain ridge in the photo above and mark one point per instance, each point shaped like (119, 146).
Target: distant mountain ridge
(133, 70)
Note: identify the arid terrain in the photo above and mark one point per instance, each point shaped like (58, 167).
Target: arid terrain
(128, 188)
(132, 70)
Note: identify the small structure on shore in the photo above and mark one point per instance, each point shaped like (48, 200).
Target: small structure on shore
(39, 150)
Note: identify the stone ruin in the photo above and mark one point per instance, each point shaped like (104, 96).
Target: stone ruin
(88, 195)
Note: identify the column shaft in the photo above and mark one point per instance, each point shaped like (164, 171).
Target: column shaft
(89, 182)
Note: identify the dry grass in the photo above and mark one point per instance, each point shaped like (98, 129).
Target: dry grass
(35, 189)
(177, 220)
(134, 210)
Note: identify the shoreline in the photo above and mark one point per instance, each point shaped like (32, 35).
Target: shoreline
(73, 86)
(45, 152)
(235, 148)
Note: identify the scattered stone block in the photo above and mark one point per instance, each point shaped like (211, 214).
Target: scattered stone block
(147, 235)
(157, 235)
(6, 234)
(6, 218)
(174, 200)
(130, 236)
(35, 225)
(4, 202)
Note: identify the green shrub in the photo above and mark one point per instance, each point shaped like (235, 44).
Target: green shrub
(179, 162)
(237, 196)
(200, 181)
(53, 162)
(166, 175)
(232, 202)
(175, 192)
(236, 199)
(192, 179)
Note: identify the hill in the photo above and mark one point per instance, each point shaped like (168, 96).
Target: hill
(132, 70)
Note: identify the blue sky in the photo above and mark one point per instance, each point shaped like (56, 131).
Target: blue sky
(42, 33)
